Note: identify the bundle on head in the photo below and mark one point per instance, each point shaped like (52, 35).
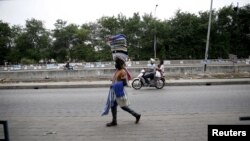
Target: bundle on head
(118, 44)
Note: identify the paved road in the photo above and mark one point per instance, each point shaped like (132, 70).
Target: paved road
(173, 113)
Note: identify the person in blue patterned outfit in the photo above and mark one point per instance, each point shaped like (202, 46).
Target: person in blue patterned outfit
(121, 76)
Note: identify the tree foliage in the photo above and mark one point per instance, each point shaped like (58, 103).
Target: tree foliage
(5, 41)
(181, 37)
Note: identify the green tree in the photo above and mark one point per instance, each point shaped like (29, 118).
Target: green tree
(60, 41)
(183, 29)
(83, 49)
(181, 37)
(163, 40)
(5, 41)
(223, 36)
(147, 37)
(110, 25)
(133, 32)
(32, 42)
(14, 55)
(97, 40)
(240, 33)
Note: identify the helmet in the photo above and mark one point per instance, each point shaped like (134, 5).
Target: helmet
(152, 60)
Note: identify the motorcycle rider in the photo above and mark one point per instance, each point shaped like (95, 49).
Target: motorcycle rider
(160, 68)
(151, 69)
(67, 66)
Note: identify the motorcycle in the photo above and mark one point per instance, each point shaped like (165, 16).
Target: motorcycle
(157, 82)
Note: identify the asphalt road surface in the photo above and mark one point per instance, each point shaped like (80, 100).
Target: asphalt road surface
(172, 113)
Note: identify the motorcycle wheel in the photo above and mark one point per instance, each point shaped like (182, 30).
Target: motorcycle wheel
(137, 84)
(160, 84)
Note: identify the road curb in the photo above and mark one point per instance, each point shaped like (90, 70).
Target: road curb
(98, 84)
(54, 86)
(207, 83)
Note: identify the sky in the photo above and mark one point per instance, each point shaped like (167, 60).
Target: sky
(16, 12)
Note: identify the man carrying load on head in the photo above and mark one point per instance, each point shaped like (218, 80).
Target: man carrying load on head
(117, 94)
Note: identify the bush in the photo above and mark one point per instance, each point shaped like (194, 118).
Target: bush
(26, 61)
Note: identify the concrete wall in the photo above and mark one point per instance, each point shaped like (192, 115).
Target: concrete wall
(106, 73)
(86, 65)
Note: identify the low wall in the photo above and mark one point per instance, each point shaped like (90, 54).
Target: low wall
(86, 65)
(106, 73)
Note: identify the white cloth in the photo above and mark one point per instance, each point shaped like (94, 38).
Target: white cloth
(157, 74)
(162, 70)
(121, 56)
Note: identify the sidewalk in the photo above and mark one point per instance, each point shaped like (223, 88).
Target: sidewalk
(106, 83)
